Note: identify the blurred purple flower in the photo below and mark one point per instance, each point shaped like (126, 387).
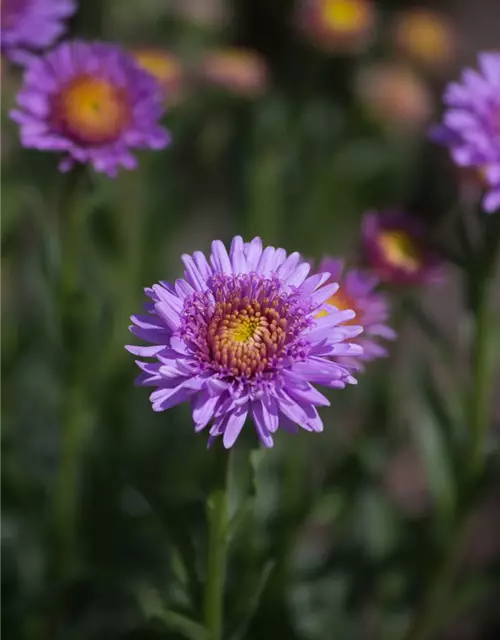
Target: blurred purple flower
(239, 337)
(30, 25)
(358, 292)
(471, 125)
(396, 249)
(91, 102)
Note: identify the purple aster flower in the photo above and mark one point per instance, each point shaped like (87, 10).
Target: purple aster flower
(92, 103)
(30, 25)
(471, 125)
(239, 336)
(358, 291)
(396, 249)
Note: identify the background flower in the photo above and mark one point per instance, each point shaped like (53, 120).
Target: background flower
(92, 103)
(240, 71)
(426, 36)
(471, 124)
(396, 248)
(395, 95)
(29, 25)
(358, 291)
(338, 25)
(241, 337)
(165, 67)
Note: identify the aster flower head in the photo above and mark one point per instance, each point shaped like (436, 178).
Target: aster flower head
(91, 103)
(396, 249)
(471, 124)
(358, 291)
(240, 337)
(240, 71)
(31, 25)
(338, 25)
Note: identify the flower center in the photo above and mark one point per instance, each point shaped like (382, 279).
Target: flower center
(244, 337)
(92, 110)
(245, 326)
(343, 15)
(400, 249)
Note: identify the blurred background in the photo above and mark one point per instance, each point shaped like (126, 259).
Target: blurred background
(289, 120)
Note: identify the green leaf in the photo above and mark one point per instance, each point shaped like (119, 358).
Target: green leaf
(252, 604)
(152, 606)
(435, 456)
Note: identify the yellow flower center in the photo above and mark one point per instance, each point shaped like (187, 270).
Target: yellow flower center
(400, 250)
(93, 110)
(344, 15)
(245, 336)
(163, 66)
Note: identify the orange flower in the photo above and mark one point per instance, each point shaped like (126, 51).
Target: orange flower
(426, 36)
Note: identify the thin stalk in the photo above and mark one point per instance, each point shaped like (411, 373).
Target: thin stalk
(217, 548)
(428, 621)
(67, 481)
(479, 402)
(72, 415)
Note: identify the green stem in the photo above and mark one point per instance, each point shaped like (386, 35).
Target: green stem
(479, 402)
(217, 548)
(67, 481)
(430, 617)
(72, 415)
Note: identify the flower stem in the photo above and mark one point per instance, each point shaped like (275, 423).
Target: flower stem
(72, 410)
(429, 619)
(479, 401)
(217, 547)
(67, 481)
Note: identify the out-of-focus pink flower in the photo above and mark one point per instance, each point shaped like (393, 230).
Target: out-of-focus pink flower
(395, 95)
(241, 71)
(204, 13)
(338, 25)
(166, 68)
(396, 249)
(426, 36)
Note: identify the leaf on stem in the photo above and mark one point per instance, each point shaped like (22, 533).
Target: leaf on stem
(152, 606)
